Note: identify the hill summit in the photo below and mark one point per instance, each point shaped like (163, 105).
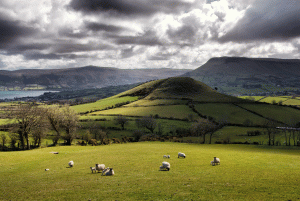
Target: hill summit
(178, 88)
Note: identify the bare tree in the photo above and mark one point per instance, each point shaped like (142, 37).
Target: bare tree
(27, 117)
(121, 120)
(69, 123)
(147, 122)
(55, 118)
(270, 127)
(3, 140)
(203, 127)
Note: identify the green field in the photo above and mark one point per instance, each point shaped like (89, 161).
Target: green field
(228, 112)
(102, 104)
(279, 113)
(246, 173)
(175, 111)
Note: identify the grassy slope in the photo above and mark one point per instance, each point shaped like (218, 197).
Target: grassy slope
(245, 173)
(170, 97)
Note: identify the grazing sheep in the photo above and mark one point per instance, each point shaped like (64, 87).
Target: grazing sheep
(71, 163)
(108, 172)
(216, 161)
(166, 156)
(93, 169)
(46, 169)
(212, 163)
(181, 155)
(100, 167)
(105, 170)
(165, 166)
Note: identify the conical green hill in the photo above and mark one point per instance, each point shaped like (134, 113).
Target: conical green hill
(179, 88)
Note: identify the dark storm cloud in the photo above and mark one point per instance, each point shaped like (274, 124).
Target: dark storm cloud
(37, 56)
(163, 54)
(19, 48)
(94, 26)
(183, 34)
(129, 7)
(267, 20)
(148, 38)
(12, 30)
(126, 53)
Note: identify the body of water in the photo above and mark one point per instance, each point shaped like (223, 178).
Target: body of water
(20, 94)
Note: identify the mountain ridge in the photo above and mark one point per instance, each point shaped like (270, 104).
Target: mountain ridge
(83, 77)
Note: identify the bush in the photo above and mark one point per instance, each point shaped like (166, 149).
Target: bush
(116, 141)
(137, 134)
(93, 142)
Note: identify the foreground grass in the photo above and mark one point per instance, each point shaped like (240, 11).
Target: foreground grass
(245, 173)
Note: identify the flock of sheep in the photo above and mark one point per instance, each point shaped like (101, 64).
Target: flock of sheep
(165, 165)
(98, 167)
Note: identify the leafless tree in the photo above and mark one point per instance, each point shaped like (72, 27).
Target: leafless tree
(203, 127)
(3, 139)
(121, 120)
(147, 122)
(54, 117)
(270, 127)
(27, 117)
(69, 123)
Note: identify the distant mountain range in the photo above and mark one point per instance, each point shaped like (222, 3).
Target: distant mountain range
(249, 75)
(82, 77)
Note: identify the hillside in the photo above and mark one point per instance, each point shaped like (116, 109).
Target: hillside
(179, 88)
(81, 78)
(240, 75)
(181, 98)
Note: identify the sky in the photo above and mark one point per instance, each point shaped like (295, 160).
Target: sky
(129, 34)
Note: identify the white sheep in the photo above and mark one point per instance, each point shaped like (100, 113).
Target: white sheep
(181, 155)
(108, 172)
(46, 169)
(93, 169)
(165, 166)
(100, 167)
(216, 161)
(71, 163)
(166, 156)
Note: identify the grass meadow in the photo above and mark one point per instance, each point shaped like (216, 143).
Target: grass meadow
(246, 173)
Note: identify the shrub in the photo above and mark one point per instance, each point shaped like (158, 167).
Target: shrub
(116, 140)
(93, 142)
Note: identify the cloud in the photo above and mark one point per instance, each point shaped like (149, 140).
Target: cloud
(11, 31)
(129, 7)
(270, 20)
(94, 26)
(147, 38)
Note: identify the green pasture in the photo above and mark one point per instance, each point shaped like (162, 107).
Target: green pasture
(246, 173)
(228, 112)
(271, 99)
(103, 103)
(280, 113)
(145, 102)
(295, 101)
(169, 111)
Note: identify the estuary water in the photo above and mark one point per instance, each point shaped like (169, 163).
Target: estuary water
(20, 94)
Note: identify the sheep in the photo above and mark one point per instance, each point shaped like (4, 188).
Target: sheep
(165, 166)
(105, 170)
(216, 161)
(181, 155)
(100, 167)
(46, 169)
(166, 156)
(71, 163)
(93, 169)
(108, 172)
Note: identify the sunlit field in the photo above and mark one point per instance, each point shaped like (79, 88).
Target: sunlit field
(246, 173)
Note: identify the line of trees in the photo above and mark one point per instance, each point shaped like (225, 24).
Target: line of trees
(31, 120)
